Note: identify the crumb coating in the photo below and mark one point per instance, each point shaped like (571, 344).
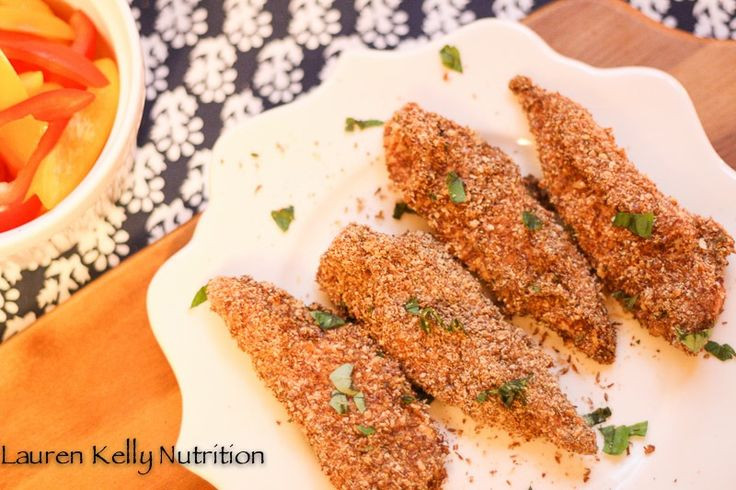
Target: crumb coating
(676, 275)
(374, 275)
(539, 272)
(294, 357)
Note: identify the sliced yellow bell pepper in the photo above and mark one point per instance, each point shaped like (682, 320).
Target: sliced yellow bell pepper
(19, 138)
(32, 81)
(80, 144)
(33, 5)
(34, 22)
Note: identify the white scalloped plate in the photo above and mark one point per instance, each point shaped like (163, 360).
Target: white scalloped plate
(306, 159)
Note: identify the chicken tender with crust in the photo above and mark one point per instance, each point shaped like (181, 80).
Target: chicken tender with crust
(499, 230)
(432, 316)
(664, 263)
(391, 444)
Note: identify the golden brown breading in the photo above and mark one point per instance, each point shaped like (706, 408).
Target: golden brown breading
(532, 272)
(375, 275)
(295, 358)
(674, 279)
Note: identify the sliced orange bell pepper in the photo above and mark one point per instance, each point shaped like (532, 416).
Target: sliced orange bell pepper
(32, 5)
(13, 192)
(85, 34)
(81, 144)
(53, 57)
(19, 138)
(32, 81)
(34, 22)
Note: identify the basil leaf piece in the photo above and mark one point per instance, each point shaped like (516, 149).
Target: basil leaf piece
(407, 399)
(283, 217)
(531, 220)
(401, 208)
(326, 320)
(199, 297)
(412, 306)
(597, 416)
(352, 123)
(722, 352)
(450, 57)
(366, 430)
(339, 402)
(693, 341)
(629, 302)
(616, 438)
(455, 187)
(640, 224)
(341, 378)
(508, 392)
(359, 400)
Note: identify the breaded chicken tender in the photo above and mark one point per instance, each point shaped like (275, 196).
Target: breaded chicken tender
(391, 444)
(664, 263)
(432, 316)
(500, 231)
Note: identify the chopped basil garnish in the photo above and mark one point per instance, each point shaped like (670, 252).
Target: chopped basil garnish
(723, 352)
(199, 297)
(508, 392)
(359, 400)
(283, 217)
(640, 224)
(535, 288)
(366, 430)
(341, 377)
(339, 402)
(450, 57)
(326, 320)
(597, 416)
(694, 341)
(629, 302)
(351, 123)
(428, 316)
(531, 220)
(412, 306)
(432, 196)
(407, 399)
(616, 438)
(402, 208)
(455, 187)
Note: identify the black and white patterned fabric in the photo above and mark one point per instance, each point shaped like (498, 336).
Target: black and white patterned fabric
(213, 63)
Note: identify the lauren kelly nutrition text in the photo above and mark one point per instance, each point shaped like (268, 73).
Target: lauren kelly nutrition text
(129, 453)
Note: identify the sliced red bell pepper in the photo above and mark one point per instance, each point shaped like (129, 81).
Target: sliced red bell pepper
(85, 36)
(49, 106)
(54, 57)
(13, 192)
(20, 213)
(4, 171)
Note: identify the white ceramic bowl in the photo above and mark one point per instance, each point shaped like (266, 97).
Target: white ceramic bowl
(115, 22)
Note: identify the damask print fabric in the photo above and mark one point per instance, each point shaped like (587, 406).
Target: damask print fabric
(211, 64)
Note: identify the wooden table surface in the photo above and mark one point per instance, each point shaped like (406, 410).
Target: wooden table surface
(91, 372)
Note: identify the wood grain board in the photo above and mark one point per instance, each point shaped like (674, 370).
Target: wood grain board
(91, 372)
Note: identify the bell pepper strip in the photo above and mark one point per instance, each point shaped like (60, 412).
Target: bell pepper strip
(32, 5)
(55, 58)
(19, 214)
(32, 81)
(49, 106)
(81, 144)
(19, 138)
(42, 24)
(13, 192)
(85, 35)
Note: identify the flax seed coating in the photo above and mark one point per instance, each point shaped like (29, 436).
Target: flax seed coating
(676, 275)
(294, 357)
(531, 272)
(374, 275)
